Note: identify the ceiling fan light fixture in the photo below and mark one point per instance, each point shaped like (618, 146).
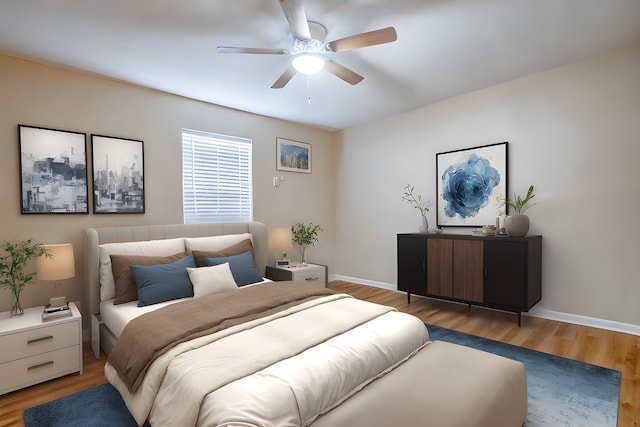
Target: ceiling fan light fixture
(307, 64)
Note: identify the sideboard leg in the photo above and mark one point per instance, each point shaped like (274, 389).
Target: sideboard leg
(408, 298)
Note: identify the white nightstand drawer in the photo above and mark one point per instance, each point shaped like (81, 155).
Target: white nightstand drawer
(310, 273)
(315, 275)
(42, 367)
(39, 340)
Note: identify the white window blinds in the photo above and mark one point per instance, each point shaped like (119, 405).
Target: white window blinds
(216, 178)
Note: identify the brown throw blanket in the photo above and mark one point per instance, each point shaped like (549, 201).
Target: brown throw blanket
(148, 336)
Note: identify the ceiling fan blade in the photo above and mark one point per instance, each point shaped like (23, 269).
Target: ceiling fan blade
(284, 78)
(343, 72)
(232, 49)
(298, 25)
(371, 38)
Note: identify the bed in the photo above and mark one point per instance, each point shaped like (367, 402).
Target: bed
(272, 353)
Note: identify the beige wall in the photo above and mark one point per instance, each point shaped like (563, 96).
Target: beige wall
(574, 132)
(45, 96)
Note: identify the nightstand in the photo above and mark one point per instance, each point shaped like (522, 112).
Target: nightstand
(34, 350)
(310, 273)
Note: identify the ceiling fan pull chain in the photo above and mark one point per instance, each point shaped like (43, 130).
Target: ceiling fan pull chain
(308, 89)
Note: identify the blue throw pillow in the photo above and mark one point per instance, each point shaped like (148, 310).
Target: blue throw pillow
(242, 266)
(165, 282)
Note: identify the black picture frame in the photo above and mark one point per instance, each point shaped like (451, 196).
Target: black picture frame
(118, 175)
(469, 182)
(53, 171)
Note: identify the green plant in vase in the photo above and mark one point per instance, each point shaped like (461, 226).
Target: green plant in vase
(304, 235)
(517, 224)
(12, 263)
(417, 202)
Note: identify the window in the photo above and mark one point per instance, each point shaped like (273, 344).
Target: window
(216, 178)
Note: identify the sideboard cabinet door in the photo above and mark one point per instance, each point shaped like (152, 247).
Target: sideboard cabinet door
(505, 264)
(468, 270)
(440, 267)
(412, 258)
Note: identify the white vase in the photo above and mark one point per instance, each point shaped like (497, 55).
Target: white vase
(424, 225)
(517, 225)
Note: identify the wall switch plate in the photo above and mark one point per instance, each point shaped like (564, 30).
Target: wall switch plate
(276, 181)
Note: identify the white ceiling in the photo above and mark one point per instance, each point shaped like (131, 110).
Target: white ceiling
(444, 48)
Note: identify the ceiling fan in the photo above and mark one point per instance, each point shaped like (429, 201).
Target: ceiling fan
(310, 52)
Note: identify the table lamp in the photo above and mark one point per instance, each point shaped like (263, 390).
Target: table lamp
(59, 266)
(281, 242)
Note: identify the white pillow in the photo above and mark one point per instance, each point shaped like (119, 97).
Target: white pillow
(163, 247)
(211, 280)
(214, 243)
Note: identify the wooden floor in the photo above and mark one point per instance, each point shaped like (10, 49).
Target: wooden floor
(604, 348)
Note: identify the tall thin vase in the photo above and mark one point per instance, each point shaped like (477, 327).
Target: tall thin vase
(16, 308)
(303, 256)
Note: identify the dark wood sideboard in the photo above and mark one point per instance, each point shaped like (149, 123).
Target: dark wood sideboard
(498, 272)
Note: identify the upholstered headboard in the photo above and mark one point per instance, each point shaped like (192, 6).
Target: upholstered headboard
(98, 236)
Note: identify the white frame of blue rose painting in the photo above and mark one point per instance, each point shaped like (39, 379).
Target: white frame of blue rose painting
(469, 182)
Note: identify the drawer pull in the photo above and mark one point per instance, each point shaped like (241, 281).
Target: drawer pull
(47, 338)
(311, 279)
(41, 365)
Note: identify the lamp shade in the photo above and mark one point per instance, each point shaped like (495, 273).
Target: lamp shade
(281, 239)
(60, 265)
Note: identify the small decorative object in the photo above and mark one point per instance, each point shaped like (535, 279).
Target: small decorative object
(293, 156)
(53, 170)
(118, 175)
(419, 204)
(467, 181)
(304, 235)
(517, 224)
(12, 264)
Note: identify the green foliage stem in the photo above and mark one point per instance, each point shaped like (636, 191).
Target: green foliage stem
(305, 234)
(14, 260)
(518, 203)
(415, 200)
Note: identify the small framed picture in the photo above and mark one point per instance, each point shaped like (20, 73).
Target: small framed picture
(469, 182)
(293, 156)
(53, 171)
(118, 175)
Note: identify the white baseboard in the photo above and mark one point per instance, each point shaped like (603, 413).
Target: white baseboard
(559, 316)
(577, 319)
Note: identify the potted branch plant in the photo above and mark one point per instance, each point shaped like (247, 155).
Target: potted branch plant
(517, 224)
(304, 235)
(417, 202)
(12, 264)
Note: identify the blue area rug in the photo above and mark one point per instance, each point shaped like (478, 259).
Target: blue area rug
(99, 406)
(562, 392)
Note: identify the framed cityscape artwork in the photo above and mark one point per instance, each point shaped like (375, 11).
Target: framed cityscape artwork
(118, 175)
(53, 171)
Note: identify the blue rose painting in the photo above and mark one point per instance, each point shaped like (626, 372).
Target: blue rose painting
(467, 186)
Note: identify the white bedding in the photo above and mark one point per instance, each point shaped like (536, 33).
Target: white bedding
(237, 375)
